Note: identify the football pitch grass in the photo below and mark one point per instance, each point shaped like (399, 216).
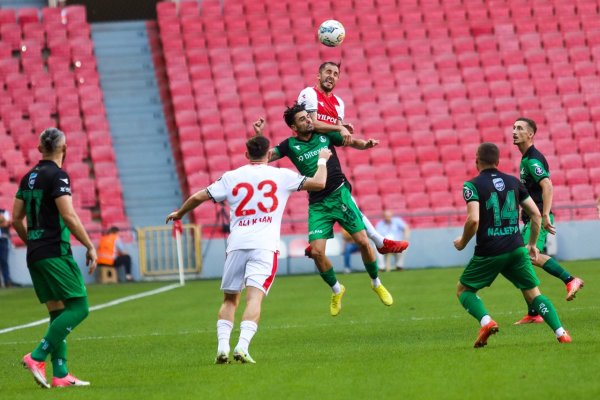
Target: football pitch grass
(163, 346)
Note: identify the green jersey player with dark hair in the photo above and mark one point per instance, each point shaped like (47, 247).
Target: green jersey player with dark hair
(535, 175)
(332, 204)
(493, 200)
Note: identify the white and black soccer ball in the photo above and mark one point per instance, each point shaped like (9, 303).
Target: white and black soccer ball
(331, 33)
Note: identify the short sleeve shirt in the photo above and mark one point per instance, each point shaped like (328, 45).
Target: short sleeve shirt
(47, 234)
(329, 109)
(257, 195)
(305, 154)
(499, 196)
(533, 169)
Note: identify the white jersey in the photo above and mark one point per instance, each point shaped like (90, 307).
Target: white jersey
(257, 194)
(329, 109)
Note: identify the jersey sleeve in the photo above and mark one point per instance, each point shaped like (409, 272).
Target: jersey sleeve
(335, 138)
(218, 190)
(470, 192)
(19, 194)
(523, 193)
(308, 98)
(281, 150)
(61, 185)
(536, 170)
(292, 180)
(341, 108)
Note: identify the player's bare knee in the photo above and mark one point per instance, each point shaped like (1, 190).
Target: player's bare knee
(460, 288)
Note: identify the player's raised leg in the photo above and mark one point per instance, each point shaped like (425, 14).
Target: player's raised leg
(384, 245)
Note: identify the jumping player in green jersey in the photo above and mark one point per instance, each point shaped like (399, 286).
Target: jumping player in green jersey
(44, 199)
(330, 205)
(535, 175)
(493, 200)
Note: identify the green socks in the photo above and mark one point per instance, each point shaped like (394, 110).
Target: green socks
(545, 308)
(59, 354)
(553, 268)
(75, 311)
(372, 269)
(329, 277)
(473, 304)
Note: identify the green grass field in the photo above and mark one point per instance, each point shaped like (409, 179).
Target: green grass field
(163, 346)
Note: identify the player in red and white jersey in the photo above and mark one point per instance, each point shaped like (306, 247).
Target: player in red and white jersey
(257, 194)
(327, 113)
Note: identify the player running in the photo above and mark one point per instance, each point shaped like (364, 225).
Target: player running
(493, 200)
(44, 197)
(257, 194)
(535, 175)
(333, 204)
(327, 113)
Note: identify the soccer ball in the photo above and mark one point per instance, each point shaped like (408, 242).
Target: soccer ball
(331, 33)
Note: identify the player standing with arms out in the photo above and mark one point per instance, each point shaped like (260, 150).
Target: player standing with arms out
(493, 200)
(257, 194)
(44, 197)
(327, 113)
(331, 205)
(535, 175)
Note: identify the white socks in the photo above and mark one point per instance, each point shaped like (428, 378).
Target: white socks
(559, 332)
(224, 328)
(336, 288)
(485, 320)
(376, 282)
(247, 331)
(372, 233)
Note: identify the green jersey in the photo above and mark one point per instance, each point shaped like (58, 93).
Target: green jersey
(305, 154)
(533, 169)
(47, 234)
(499, 196)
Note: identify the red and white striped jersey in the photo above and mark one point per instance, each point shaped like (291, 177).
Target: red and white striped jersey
(329, 109)
(257, 194)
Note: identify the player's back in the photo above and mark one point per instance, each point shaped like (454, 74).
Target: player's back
(257, 194)
(499, 196)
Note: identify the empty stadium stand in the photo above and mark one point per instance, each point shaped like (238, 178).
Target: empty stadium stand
(429, 79)
(49, 78)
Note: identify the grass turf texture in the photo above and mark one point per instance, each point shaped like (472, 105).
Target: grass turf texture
(163, 346)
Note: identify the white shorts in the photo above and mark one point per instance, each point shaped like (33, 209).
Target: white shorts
(256, 268)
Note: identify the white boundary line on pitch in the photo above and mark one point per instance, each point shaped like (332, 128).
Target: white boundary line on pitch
(97, 307)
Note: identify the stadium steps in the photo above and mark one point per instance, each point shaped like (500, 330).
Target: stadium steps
(142, 149)
(23, 4)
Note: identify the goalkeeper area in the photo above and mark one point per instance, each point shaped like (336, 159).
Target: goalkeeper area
(163, 345)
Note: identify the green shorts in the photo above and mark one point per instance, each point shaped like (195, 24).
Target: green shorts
(57, 278)
(337, 207)
(515, 266)
(541, 242)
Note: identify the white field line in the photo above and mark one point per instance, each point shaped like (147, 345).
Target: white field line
(97, 307)
(211, 330)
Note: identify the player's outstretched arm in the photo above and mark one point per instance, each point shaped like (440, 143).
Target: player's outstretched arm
(192, 202)
(471, 225)
(319, 180)
(362, 144)
(345, 130)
